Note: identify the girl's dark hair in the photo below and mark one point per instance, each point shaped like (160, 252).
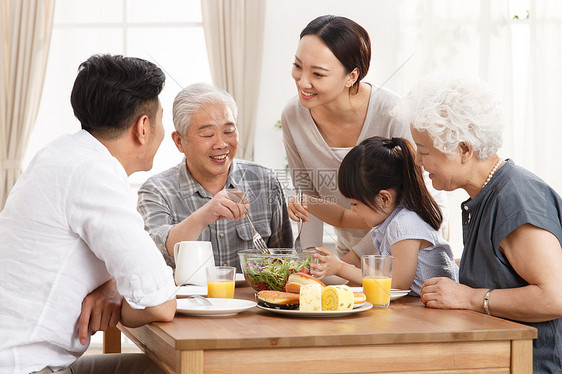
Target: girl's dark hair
(111, 92)
(379, 164)
(347, 40)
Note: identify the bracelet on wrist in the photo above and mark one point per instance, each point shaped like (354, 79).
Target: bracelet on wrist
(486, 302)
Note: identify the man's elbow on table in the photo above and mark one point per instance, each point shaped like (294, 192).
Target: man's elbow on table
(137, 317)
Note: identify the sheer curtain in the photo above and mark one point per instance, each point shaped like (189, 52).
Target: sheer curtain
(519, 55)
(234, 37)
(469, 37)
(544, 114)
(25, 35)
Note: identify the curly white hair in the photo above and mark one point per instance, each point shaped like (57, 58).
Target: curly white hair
(454, 110)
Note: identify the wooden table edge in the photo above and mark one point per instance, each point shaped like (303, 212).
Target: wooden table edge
(524, 333)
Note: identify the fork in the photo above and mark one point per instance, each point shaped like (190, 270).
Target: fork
(198, 298)
(257, 239)
(201, 300)
(259, 243)
(297, 244)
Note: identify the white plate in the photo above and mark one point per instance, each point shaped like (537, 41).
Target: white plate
(220, 308)
(334, 279)
(394, 292)
(240, 280)
(306, 313)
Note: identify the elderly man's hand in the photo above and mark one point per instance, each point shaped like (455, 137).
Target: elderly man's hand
(444, 293)
(101, 310)
(226, 204)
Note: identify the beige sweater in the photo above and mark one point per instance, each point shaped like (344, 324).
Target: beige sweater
(310, 156)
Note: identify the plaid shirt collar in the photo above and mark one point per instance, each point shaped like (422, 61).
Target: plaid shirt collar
(189, 186)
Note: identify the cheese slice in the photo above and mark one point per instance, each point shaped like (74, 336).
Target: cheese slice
(338, 297)
(311, 297)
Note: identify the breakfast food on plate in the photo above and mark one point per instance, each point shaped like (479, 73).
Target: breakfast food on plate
(278, 299)
(338, 297)
(359, 298)
(296, 280)
(311, 297)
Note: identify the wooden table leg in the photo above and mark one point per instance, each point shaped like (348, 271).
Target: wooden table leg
(521, 356)
(112, 340)
(189, 362)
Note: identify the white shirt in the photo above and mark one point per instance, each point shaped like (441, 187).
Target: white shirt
(341, 152)
(69, 224)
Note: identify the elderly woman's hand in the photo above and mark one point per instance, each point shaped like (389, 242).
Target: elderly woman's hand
(444, 293)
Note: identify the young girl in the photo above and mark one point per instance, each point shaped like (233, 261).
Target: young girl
(387, 194)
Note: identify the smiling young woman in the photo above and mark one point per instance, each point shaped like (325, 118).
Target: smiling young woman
(332, 112)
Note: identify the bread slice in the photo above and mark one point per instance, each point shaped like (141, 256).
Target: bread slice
(278, 299)
(296, 280)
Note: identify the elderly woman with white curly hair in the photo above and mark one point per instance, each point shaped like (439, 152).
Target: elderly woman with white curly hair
(511, 266)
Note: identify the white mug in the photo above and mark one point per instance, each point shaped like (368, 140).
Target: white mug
(192, 258)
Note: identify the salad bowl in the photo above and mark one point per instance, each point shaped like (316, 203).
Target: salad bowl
(270, 271)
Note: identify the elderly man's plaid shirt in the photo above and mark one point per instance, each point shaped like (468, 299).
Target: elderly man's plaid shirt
(168, 198)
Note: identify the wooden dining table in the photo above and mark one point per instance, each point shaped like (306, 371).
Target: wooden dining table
(405, 337)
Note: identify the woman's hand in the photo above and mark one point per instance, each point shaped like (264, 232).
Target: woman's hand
(328, 263)
(444, 293)
(298, 211)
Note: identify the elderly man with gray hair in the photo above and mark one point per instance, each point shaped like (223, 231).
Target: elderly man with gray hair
(193, 200)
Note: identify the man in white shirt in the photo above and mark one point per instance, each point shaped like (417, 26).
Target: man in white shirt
(71, 236)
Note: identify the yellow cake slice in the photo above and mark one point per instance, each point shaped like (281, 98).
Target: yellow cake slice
(311, 297)
(338, 297)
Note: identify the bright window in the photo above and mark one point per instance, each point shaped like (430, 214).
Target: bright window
(168, 33)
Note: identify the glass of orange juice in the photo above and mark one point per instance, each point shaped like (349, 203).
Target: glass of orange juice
(220, 281)
(377, 279)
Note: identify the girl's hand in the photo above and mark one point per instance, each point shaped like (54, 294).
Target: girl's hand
(444, 293)
(298, 211)
(328, 263)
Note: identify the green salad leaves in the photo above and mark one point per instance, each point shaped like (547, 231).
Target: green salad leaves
(271, 273)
